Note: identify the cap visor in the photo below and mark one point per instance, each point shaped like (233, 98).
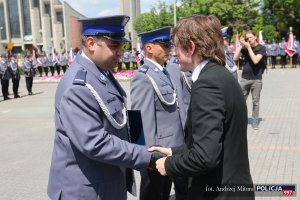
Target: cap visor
(118, 39)
(166, 43)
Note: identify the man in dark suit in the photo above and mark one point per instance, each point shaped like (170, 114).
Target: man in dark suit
(215, 157)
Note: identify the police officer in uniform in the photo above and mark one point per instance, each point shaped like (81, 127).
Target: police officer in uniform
(154, 94)
(6, 75)
(39, 65)
(183, 82)
(44, 61)
(273, 52)
(92, 158)
(28, 69)
(63, 59)
(15, 75)
(51, 64)
(282, 52)
(296, 53)
(230, 64)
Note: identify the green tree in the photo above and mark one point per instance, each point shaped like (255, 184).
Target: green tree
(273, 17)
(283, 14)
(157, 17)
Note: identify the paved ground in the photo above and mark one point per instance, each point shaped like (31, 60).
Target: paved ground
(27, 130)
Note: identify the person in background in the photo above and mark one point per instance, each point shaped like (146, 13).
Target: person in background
(255, 65)
(296, 53)
(282, 53)
(15, 75)
(6, 74)
(126, 59)
(51, 63)
(133, 59)
(57, 63)
(153, 93)
(230, 63)
(273, 52)
(28, 69)
(63, 59)
(39, 65)
(215, 153)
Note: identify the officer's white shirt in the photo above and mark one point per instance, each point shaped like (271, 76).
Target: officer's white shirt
(85, 56)
(198, 70)
(156, 64)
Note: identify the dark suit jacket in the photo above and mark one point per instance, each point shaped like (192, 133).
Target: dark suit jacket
(216, 152)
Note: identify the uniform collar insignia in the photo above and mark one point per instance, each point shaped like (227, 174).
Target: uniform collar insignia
(103, 78)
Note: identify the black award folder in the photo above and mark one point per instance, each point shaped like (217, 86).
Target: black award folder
(136, 127)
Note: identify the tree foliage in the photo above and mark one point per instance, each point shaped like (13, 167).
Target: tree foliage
(273, 17)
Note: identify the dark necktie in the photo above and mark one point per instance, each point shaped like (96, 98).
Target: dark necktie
(114, 82)
(166, 73)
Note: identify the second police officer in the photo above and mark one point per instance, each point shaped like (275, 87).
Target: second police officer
(154, 94)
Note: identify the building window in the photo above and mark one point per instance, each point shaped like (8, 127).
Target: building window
(59, 17)
(2, 24)
(36, 3)
(48, 11)
(13, 14)
(26, 18)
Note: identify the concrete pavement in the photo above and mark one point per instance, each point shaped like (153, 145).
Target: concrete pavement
(27, 131)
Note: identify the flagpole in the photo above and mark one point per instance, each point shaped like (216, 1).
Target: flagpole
(291, 57)
(174, 13)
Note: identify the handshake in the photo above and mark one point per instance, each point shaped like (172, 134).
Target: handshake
(158, 157)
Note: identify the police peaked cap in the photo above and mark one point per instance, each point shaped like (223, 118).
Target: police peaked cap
(227, 32)
(111, 27)
(161, 35)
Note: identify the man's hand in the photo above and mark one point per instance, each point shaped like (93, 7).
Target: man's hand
(154, 157)
(166, 151)
(160, 166)
(245, 43)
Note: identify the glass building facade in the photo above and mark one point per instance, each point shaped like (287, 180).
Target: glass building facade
(60, 18)
(48, 11)
(13, 14)
(2, 23)
(36, 3)
(26, 17)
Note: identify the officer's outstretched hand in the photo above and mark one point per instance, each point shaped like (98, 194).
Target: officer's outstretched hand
(164, 150)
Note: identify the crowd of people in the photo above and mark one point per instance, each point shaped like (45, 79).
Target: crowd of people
(131, 60)
(276, 53)
(276, 50)
(31, 65)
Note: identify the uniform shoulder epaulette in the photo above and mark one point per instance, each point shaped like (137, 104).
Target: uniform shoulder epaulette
(80, 77)
(144, 69)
